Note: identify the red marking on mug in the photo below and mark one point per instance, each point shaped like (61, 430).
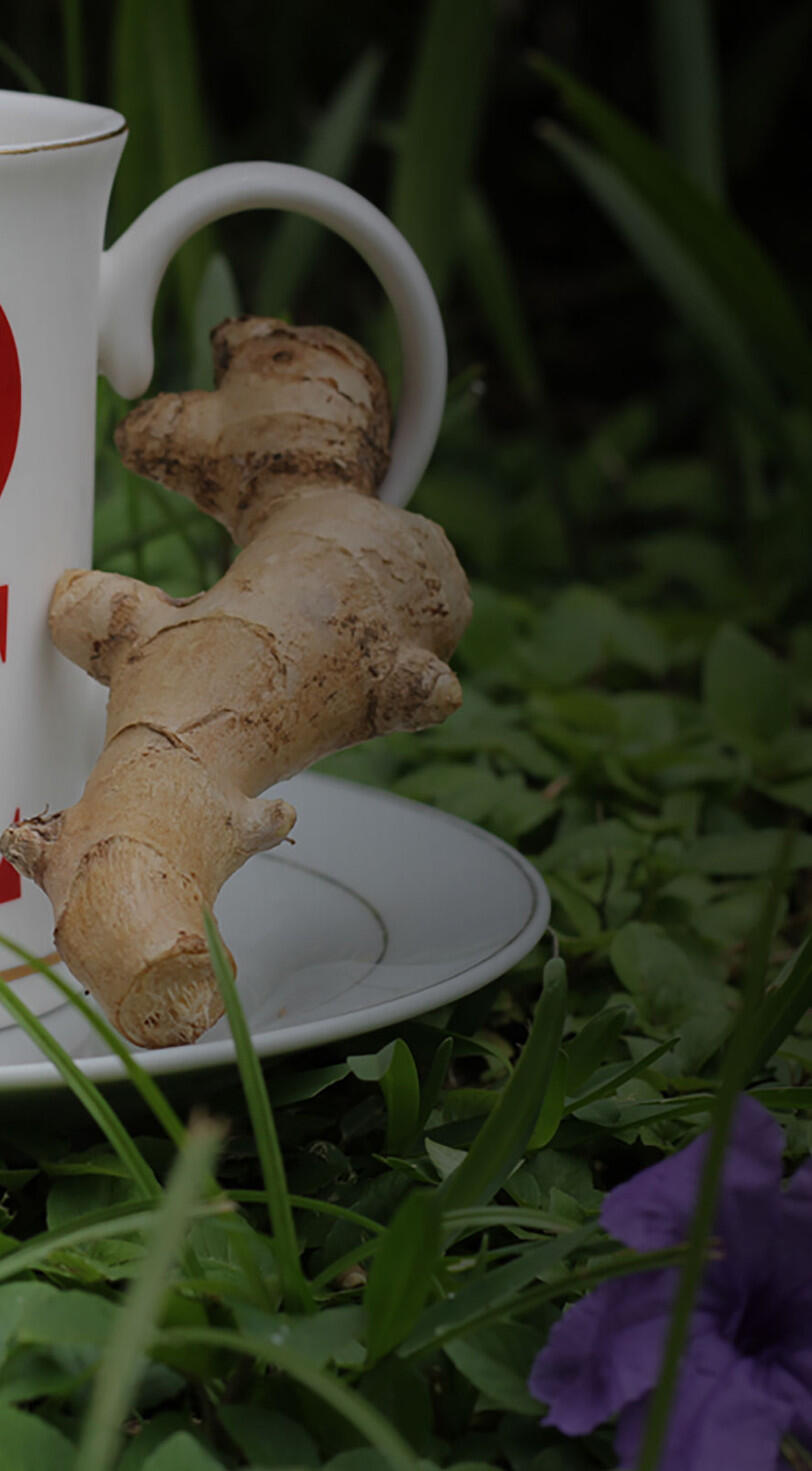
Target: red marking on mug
(10, 398)
(11, 885)
(3, 623)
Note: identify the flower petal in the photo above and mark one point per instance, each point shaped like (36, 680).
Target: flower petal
(654, 1208)
(796, 1229)
(604, 1352)
(721, 1417)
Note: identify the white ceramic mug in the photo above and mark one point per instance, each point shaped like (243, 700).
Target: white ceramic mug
(67, 306)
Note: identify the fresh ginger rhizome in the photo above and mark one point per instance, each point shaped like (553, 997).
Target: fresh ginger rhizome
(332, 625)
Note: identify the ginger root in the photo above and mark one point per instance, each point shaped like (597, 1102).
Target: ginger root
(332, 625)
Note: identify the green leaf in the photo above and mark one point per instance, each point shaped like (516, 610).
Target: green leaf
(20, 69)
(363, 1417)
(694, 296)
(74, 38)
(134, 1324)
(549, 1170)
(677, 987)
(182, 1453)
(295, 1287)
(70, 1319)
(299, 1084)
(403, 1394)
(487, 264)
(268, 1437)
(608, 1080)
(150, 1091)
(496, 1293)
(751, 852)
(334, 143)
(593, 1044)
(503, 1138)
(747, 691)
(579, 910)
(783, 1005)
(688, 90)
(401, 1273)
(29, 1443)
(217, 298)
(736, 272)
(152, 1434)
(498, 1360)
(505, 803)
(440, 127)
(17, 1300)
(321, 1338)
(435, 1078)
(585, 628)
(395, 1069)
(552, 1108)
(93, 1100)
(362, 1459)
(586, 849)
(733, 1077)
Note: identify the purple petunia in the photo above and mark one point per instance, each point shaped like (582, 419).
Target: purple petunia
(746, 1375)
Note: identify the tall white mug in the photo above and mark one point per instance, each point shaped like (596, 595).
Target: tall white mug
(69, 309)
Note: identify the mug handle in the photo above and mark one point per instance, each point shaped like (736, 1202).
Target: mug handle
(132, 269)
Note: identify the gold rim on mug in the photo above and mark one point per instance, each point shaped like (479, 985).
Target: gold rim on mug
(18, 972)
(67, 143)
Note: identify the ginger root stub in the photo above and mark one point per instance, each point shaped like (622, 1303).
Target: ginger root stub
(333, 624)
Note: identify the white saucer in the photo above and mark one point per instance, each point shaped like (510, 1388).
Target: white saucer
(384, 909)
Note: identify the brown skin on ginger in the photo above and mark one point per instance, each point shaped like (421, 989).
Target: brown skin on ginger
(332, 625)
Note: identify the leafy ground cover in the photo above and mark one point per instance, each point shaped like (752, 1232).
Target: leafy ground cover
(397, 1224)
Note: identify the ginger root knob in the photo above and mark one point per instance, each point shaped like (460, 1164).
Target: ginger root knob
(333, 624)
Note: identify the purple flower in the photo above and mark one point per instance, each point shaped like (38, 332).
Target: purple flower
(746, 1375)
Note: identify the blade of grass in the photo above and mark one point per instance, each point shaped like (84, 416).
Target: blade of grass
(611, 1266)
(20, 69)
(503, 1138)
(492, 281)
(74, 48)
(175, 521)
(114, 1221)
(496, 1292)
(135, 522)
(217, 299)
(433, 1082)
(733, 1076)
(362, 1415)
(121, 1363)
(783, 1006)
(156, 84)
(183, 130)
(623, 1075)
(333, 147)
(361, 1252)
(720, 249)
(139, 176)
(401, 1275)
(506, 1293)
(441, 125)
(685, 60)
(511, 1217)
(676, 272)
(306, 1203)
(153, 1096)
(295, 1288)
(92, 1099)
